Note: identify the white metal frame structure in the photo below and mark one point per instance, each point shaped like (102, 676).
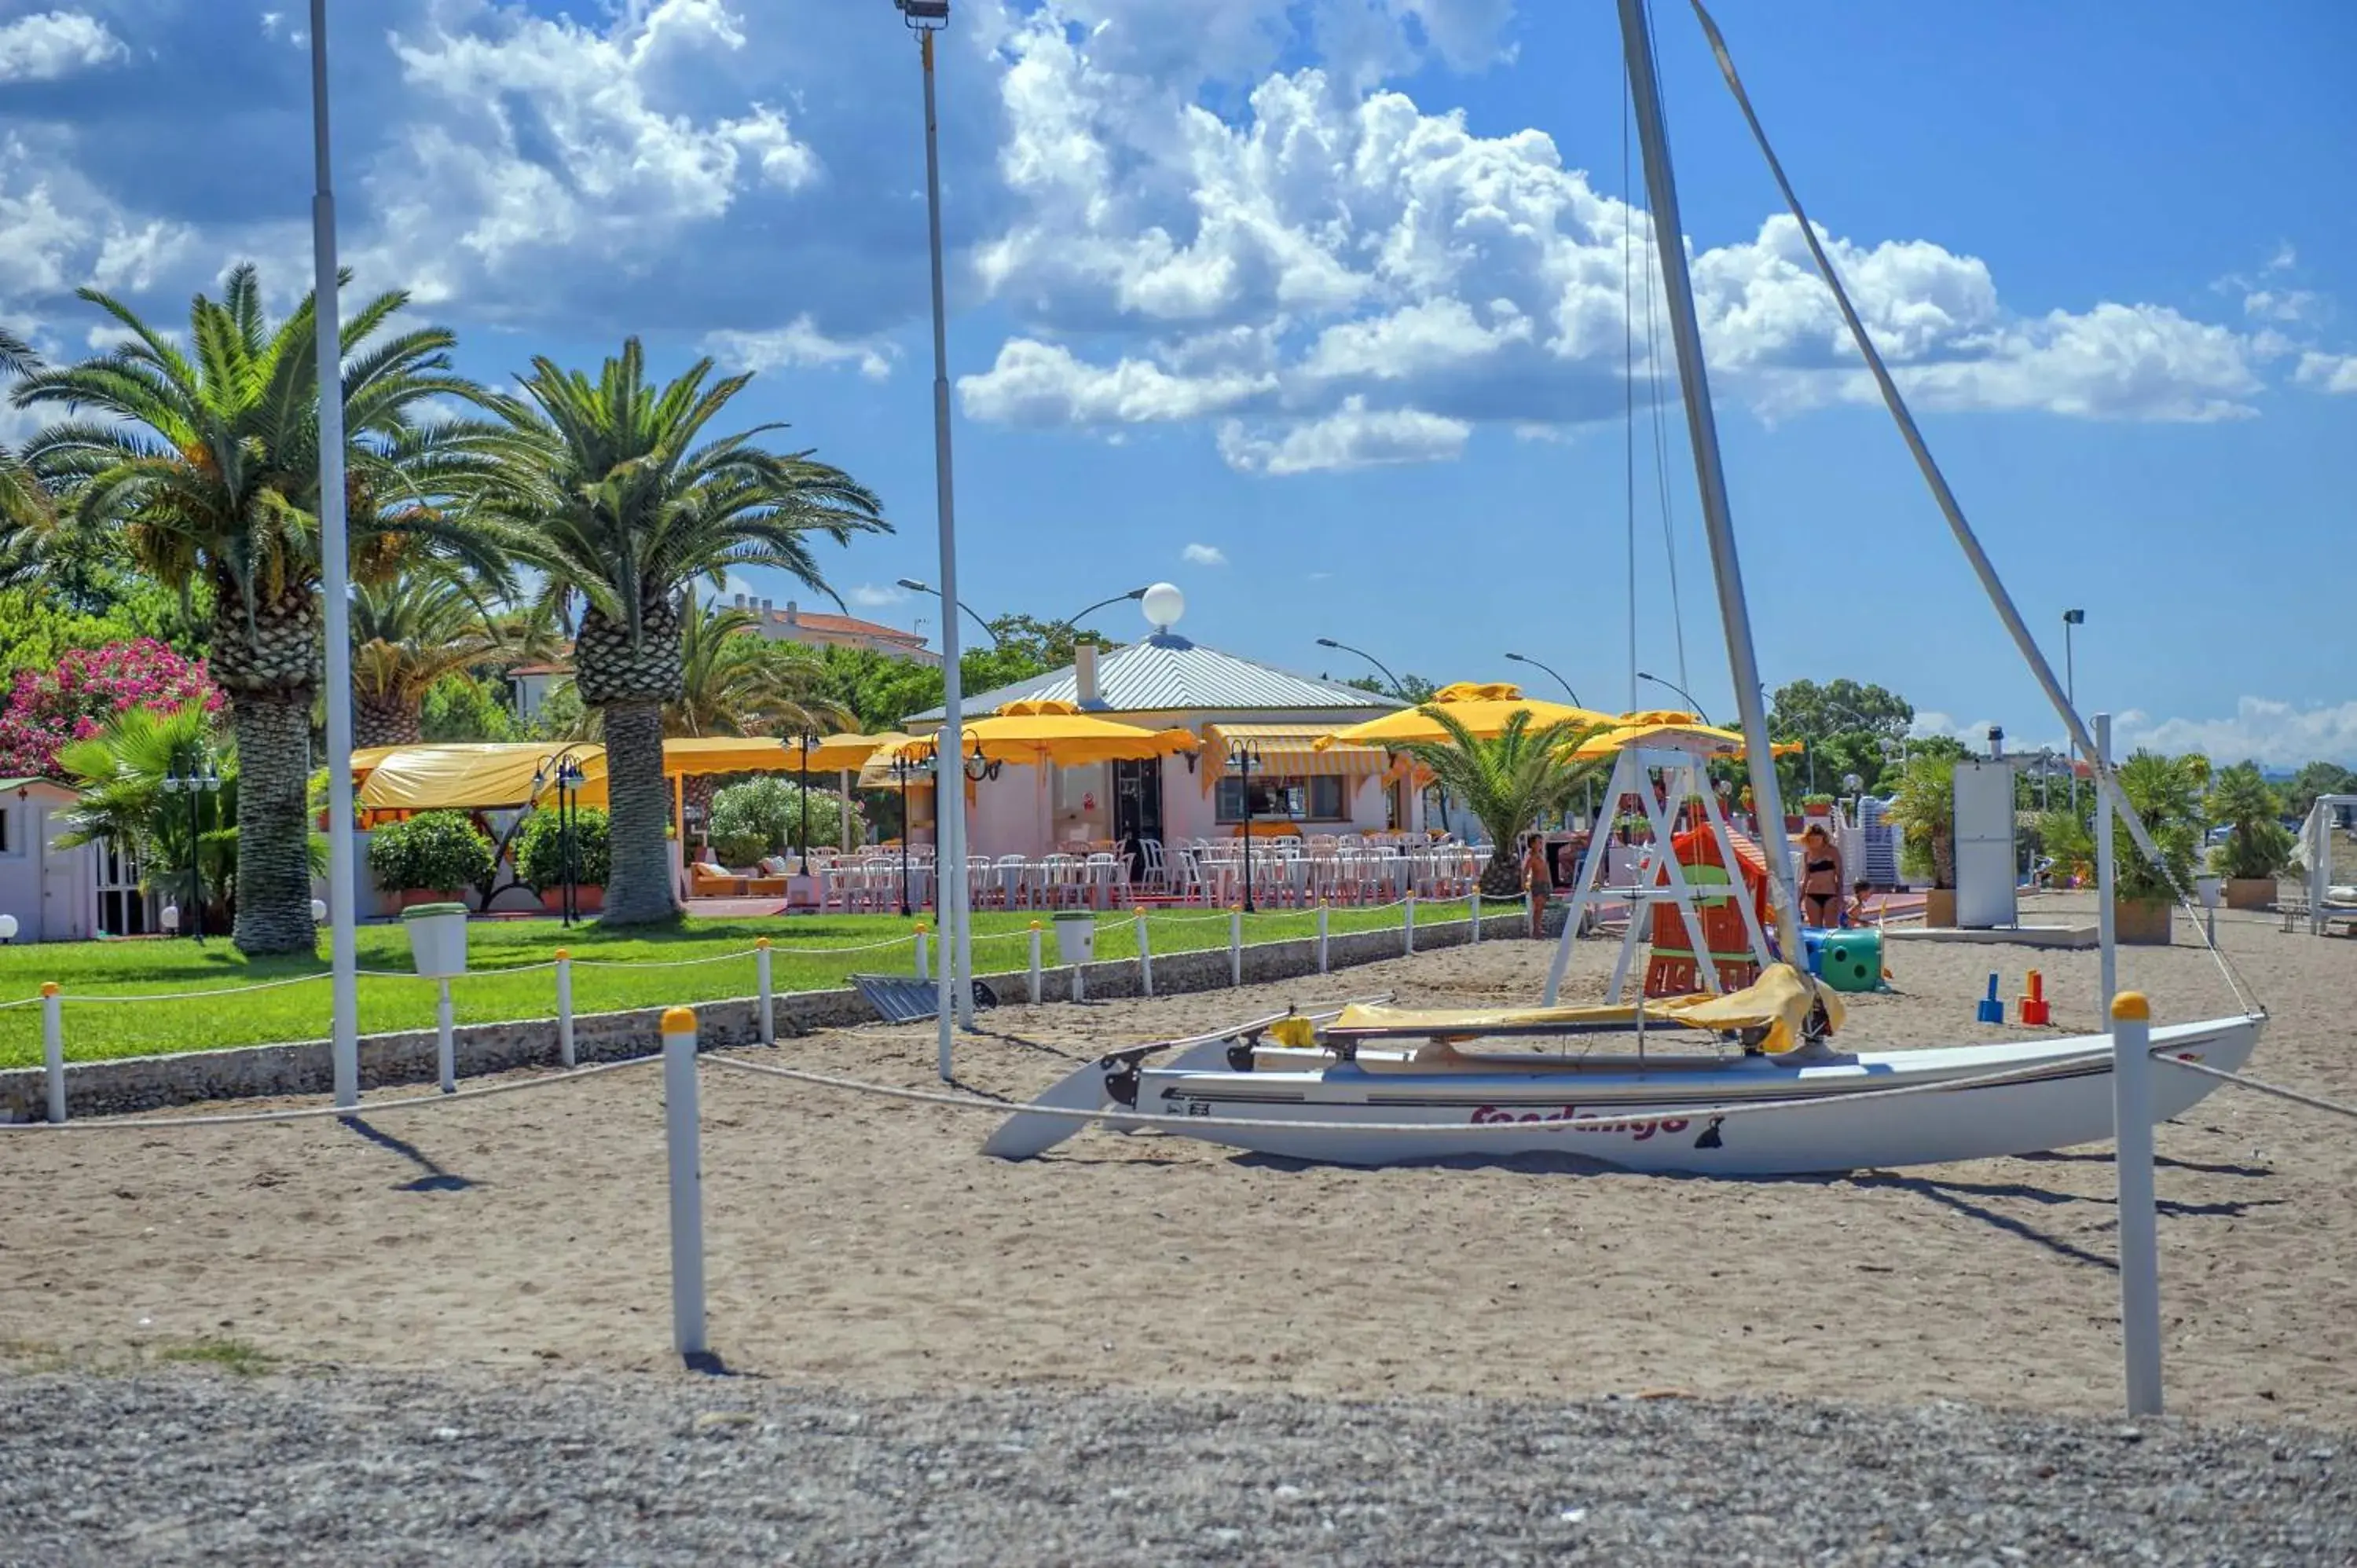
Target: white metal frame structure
(1659, 879)
(2316, 853)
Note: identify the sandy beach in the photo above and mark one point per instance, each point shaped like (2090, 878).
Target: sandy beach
(866, 1244)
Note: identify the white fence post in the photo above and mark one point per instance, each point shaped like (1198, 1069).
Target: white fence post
(2139, 1247)
(445, 1043)
(925, 960)
(1235, 947)
(681, 1136)
(53, 1048)
(1145, 957)
(1035, 963)
(565, 1007)
(1322, 935)
(1409, 927)
(769, 995)
(1474, 904)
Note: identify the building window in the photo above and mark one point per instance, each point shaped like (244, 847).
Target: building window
(8, 821)
(1322, 799)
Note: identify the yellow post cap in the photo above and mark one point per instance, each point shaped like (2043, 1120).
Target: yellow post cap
(922, 927)
(564, 953)
(760, 941)
(48, 988)
(1035, 925)
(2132, 1005)
(679, 1021)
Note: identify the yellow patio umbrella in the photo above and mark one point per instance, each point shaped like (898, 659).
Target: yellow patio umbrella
(1483, 708)
(1047, 730)
(474, 776)
(875, 773)
(1672, 732)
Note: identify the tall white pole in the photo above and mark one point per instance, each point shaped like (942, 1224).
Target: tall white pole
(335, 573)
(2131, 1018)
(2107, 892)
(954, 1002)
(1694, 381)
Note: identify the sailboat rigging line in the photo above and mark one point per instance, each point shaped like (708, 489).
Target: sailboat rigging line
(1629, 383)
(1702, 430)
(1661, 426)
(2106, 777)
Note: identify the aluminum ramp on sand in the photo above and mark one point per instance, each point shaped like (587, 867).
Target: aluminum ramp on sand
(910, 998)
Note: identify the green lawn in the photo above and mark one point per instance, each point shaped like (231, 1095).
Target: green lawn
(807, 954)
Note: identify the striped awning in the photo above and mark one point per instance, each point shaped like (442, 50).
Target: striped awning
(1287, 751)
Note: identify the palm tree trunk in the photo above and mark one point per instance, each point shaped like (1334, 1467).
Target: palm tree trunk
(639, 888)
(1503, 877)
(273, 823)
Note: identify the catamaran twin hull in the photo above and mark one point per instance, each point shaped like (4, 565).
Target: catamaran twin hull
(1654, 1117)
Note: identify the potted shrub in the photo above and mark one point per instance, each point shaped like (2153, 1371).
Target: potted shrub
(1924, 811)
(430, 858)
(1819, 805)
(540, 858)
(2165, 793)
(2258, 847)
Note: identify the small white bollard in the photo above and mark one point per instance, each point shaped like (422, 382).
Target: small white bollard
(1235, 947)
(682, 1137)
(1144, 958)
(1409, 927)
(768, 996)
(565, 1007)
(445, 1043)
(925, 960)
(1474, 904)
(2139, 1246)
(1035, 963)
(53, 1049)
(1322, 935)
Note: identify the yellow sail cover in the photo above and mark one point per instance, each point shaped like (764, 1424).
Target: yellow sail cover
(1778, 1002)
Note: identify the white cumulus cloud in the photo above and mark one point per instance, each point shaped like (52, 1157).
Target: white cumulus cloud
(1203, 555)
(2328, 372)
(799, 344)
(872, 596)
(2277, 734)
(1353, 437)
(48, 45)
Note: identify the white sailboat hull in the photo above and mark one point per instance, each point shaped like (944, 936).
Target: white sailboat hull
(1642, 1118)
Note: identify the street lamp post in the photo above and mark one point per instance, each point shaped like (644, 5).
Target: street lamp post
(2070, 685)
(563, 771)
(903, 767)
(200, 779)
(801, 794)
(1243, 756)
(1681, 690)
(1074, 621)
(916, 585)
(1526, 659)
(954, 1002)
(1397, 690)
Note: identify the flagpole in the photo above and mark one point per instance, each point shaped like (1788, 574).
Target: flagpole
(334, 583)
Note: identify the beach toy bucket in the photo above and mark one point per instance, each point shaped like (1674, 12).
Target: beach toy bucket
(1846, 960)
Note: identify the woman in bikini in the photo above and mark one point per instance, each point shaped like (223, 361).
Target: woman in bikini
(1538, 881)
(1821, 878)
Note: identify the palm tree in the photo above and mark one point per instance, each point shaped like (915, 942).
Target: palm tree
(1509, 782)
(611, 491)
(24, 504)
(118, 777)
(204, 468)
(734, 681)
(407, 633)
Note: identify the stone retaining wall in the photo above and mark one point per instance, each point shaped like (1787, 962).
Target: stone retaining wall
(127, 1084)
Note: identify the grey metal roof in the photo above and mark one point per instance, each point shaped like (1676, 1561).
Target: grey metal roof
(1166, 673)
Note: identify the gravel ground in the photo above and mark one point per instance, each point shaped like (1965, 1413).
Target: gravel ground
(198, 1467)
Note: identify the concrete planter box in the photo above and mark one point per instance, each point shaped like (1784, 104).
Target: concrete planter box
(2250, 892)
(1939, 909)
(2143, 922)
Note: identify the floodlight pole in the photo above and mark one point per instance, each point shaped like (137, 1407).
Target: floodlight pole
(335, 573)
(955, 1003)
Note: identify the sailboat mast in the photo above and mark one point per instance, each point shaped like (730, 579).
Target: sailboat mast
(1694, 382)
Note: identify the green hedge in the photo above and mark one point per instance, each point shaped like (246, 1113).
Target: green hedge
(434, 851)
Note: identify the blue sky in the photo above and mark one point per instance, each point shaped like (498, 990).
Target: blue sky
(1317, 307)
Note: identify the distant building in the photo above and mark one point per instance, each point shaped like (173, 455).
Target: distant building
(531, 684)
(55, 892)
(794, 624)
